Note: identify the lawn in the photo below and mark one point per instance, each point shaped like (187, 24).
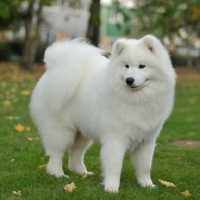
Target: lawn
(22, 156)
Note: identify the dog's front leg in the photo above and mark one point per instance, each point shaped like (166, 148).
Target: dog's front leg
(112, 154)
(142, 159)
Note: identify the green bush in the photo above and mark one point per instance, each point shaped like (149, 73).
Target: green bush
(12, 51)
(5, 52)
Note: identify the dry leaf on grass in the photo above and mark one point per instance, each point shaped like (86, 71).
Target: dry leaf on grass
(33, 138)
(42, 166)
(12, 117)
(26, 92)
(6, 103)
(19, 128)
(186, 193)
(193, 100)
(28, 128)
(70, 187)
(84, 176)
(42, 159)
(17, 193)
(167, 184)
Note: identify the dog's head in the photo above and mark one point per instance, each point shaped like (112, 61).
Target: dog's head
(139, 62)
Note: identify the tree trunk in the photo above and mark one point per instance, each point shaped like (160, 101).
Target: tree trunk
(93, 30)
(198, 61)
(31, 35)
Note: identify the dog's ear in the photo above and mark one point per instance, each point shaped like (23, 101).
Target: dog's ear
(151, 42)
(119, 46)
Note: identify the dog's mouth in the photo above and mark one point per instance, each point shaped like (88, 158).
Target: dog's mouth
(137, 87)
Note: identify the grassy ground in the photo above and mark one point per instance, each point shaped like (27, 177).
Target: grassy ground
(21, 153)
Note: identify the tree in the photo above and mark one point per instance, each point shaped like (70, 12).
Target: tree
(13, 15)
(9, 14)
(165, 17)
(32, 33)
(93, 29)
(28, 13)
(168, 18)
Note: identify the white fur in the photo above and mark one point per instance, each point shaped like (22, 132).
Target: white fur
(84, 96)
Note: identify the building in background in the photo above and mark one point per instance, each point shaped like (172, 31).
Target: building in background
(63, 20)
(114, 25)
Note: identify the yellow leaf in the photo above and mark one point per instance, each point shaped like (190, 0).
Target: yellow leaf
(7, 92)
(193, 100)
(17, 193)
(186, 193)
(26, 92)
(19, 128)
(42, 166)
(12, 117)
(70, 187)
(42, 159)
(84, 176)
(6, 103)
(28, 128)
(30, 138)
(167, 184)
(33, 138)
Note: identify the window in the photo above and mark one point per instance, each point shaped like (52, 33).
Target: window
(115, 18)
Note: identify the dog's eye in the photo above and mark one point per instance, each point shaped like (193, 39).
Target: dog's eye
(141, 66)
(127, 66)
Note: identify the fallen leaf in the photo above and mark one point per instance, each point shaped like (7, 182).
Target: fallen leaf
(28, 128)
(26, 92)
(193, 100)
(17, 193)
(12, 117)
(70, 187)
(33, 138)
(19, 128)
(6, 103)
(167, 184)
(186, 193)
(42, 159)
(42, 166)
(84, 176)
(9, 117)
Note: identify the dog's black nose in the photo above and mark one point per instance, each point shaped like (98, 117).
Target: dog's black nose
(129, 81)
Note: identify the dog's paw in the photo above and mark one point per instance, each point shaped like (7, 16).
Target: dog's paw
(56, 171)
(146, 183)
(111, 186)
(79, 169)
(89, 173)
(57, 174)
(111, 189)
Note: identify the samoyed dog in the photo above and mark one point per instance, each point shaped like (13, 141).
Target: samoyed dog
(121, 102)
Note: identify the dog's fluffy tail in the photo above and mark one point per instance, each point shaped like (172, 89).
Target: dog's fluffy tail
(65, 62)
(65, 52)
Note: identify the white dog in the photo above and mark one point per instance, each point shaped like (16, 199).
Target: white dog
(121, 102)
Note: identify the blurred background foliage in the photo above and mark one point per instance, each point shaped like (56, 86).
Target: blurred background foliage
(170, 21)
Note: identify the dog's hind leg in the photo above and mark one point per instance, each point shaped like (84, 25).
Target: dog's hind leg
(56, 140)
(76, 154)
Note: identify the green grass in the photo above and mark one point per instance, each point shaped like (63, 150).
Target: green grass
(180, 165)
